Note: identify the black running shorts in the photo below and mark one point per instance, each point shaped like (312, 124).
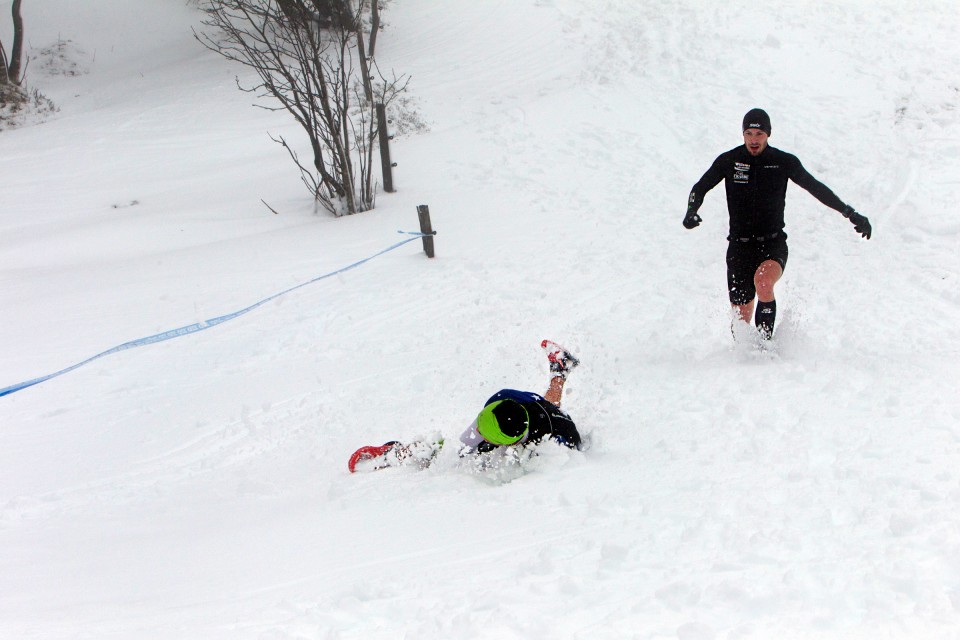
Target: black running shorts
(563, 430)
(743, 260)
(560, 424)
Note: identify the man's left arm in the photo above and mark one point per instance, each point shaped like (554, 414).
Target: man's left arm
(823, 193)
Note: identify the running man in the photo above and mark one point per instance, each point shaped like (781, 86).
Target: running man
(755, 176)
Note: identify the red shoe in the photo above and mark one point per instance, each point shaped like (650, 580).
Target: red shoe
(419, 453)
(370, 453)
(561, 361)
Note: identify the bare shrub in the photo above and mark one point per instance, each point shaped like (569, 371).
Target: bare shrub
(310, 60)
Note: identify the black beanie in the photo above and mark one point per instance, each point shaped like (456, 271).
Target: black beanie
(757, 119)
(512, 418)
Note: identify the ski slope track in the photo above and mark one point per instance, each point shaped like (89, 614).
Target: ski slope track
(198, 487)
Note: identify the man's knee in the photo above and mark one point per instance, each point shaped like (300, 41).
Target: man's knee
(764, 286)
(766, 277)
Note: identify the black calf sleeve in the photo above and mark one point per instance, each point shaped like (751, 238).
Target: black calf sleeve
(766, 317)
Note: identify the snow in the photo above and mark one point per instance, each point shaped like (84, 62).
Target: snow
(197, 488)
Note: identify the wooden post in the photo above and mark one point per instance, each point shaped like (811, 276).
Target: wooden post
(385, 164)
(423, 212)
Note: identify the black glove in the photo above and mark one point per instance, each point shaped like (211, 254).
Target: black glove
(860, 223)
(691, 220)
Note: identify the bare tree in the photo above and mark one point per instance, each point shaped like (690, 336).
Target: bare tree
(305, 54)
(11, 66)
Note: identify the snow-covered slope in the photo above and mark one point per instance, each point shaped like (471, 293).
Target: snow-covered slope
(197, 488)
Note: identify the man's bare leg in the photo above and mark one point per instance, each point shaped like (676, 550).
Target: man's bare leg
(767, 275)
(555, 391)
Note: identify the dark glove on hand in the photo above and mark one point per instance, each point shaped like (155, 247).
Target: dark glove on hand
(691, 220)
(860, 223)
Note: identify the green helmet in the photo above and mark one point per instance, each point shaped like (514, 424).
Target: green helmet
(503, 422)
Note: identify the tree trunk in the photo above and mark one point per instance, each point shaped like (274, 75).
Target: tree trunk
(374, 25)
(364, 68)
(13, 72)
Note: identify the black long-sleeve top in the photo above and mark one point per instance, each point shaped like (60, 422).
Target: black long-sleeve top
(757, 187)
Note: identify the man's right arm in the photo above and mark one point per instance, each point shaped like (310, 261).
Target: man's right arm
(708, 181)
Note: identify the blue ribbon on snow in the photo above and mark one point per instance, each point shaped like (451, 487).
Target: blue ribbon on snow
(205, 324)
